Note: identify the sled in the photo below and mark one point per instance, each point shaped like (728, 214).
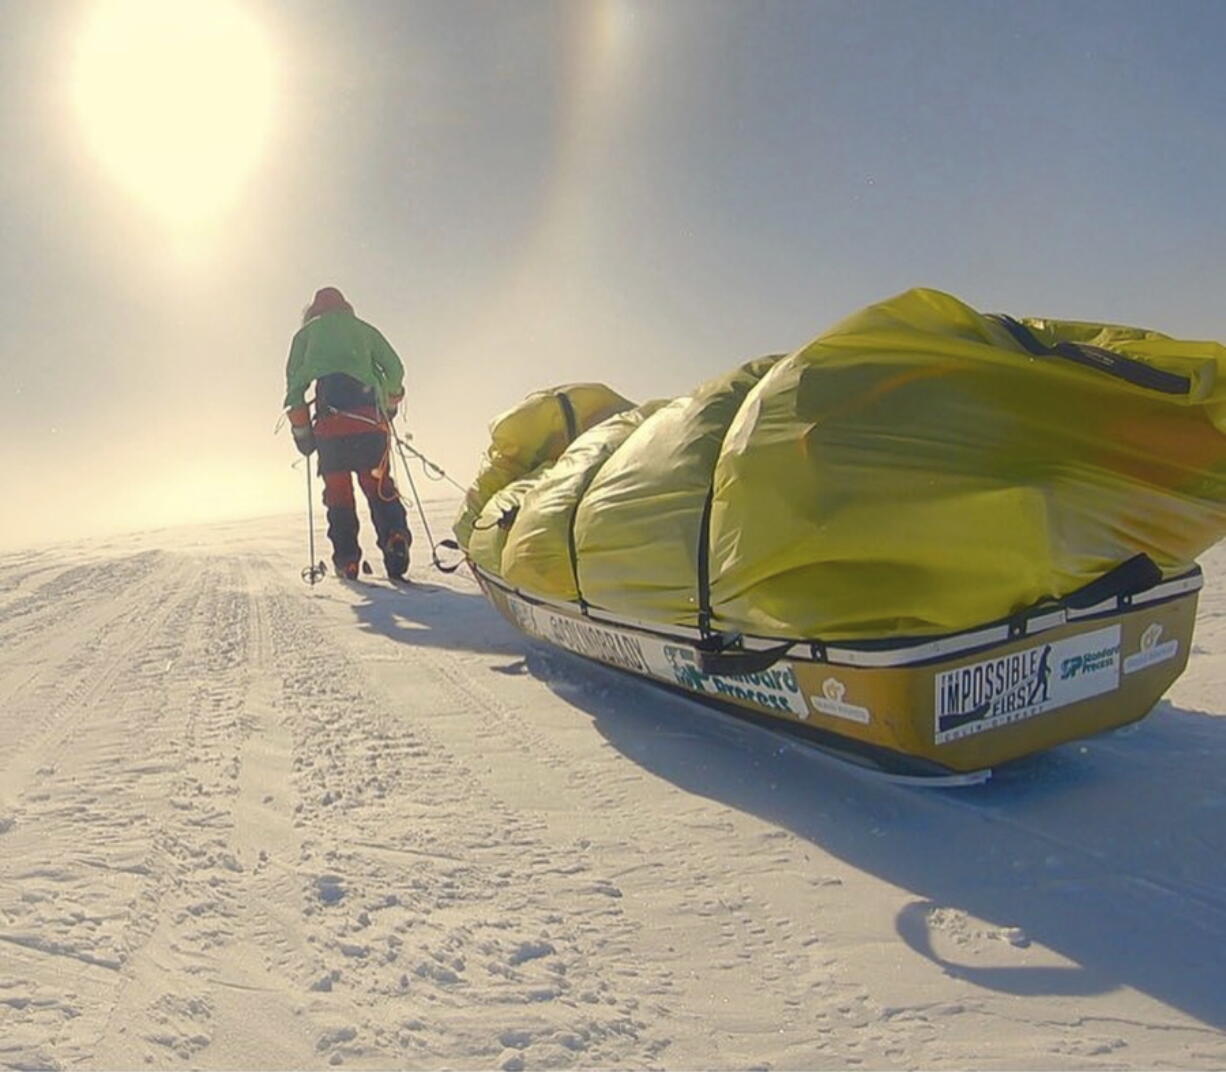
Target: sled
(923, 709)
(932, 539)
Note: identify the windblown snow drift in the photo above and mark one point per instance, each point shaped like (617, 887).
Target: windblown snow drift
(945, 538)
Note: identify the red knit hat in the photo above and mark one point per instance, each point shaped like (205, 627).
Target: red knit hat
(327, 300)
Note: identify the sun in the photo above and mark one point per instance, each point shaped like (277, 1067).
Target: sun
(175, 98)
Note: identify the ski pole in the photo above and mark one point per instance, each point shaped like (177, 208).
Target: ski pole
(314, 572)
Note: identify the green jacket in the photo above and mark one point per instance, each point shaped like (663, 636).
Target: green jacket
(339, 342)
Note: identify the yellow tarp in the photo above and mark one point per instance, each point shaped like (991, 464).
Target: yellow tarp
(536, 430)
(647, 503)
(489, 529)
(538, 555)
(920, 468)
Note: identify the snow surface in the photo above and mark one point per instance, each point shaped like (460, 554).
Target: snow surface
(249, 824)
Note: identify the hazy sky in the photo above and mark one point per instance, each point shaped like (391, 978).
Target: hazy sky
(520, 193)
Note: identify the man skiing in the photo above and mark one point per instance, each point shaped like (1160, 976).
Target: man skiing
(359, 383)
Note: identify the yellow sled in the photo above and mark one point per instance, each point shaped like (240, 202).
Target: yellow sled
(932, 539)
(960, 703)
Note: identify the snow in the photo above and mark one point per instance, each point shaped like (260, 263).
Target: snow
(245, 823)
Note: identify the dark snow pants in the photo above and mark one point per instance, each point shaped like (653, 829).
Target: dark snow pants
(363, 454)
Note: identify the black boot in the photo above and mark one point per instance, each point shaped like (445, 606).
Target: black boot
(392, 528)
(343, 532)
(396, 554)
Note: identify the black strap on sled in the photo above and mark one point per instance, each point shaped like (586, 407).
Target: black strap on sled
(1133, 575)
(568, 415)
(450, 545)
(722, 656)
(704, 564)
(572, 430)
(1129, 369)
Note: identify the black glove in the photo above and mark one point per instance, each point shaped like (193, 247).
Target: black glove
(304, 439)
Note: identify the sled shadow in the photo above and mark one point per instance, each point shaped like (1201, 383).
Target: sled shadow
(434, 616)
(1109, 853)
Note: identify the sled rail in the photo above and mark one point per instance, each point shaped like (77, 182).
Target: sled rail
(957, 704)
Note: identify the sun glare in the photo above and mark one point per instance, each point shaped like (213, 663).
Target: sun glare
(175, 97)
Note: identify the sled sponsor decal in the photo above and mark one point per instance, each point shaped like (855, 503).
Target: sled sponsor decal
(775, 688)
(1022, 684)
(831, 702)
(1151, 651)
(595, 641)
(579, 636)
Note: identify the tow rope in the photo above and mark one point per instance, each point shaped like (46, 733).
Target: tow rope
(421, 512)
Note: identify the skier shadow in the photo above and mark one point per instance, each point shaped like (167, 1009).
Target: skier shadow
(435, 616)
(1106, 856)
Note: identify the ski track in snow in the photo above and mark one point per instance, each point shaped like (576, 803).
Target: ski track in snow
(245, 823)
